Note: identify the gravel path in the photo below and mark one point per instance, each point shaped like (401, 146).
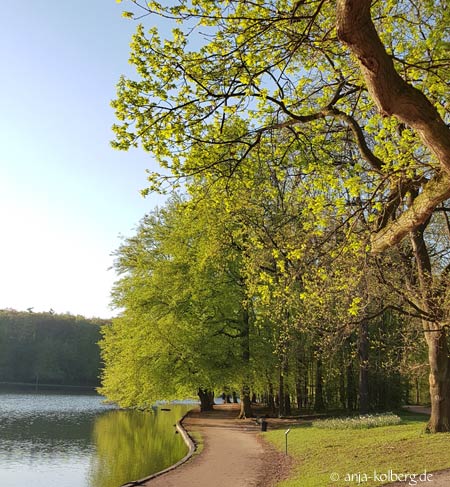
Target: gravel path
(233, 454)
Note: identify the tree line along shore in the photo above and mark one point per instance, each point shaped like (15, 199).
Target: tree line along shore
(48, 350)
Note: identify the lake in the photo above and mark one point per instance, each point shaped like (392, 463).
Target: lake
(61, 440)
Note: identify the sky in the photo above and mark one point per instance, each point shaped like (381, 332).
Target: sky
(66, 197)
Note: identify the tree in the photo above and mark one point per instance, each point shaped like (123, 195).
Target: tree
(280, 70)
(184, 324)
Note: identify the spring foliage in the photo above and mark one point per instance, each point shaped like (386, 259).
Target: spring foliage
(303, 149)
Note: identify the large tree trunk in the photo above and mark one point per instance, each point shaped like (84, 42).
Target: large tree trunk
(206, 399)
(436, 338)
(438, 355)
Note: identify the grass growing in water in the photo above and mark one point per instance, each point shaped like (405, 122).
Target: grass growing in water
(327, 457)
(358, 422)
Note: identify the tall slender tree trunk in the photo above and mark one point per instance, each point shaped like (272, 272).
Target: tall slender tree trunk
(342, 390)
(298, 393)
(319, 404)
(287, 396)
(351, 389)
(281, 395)
(300, 374)
(271, 398)
(416, 384)
(306, 394)
(363, 355)
(246, 404)
(283, 391)
(287, 404)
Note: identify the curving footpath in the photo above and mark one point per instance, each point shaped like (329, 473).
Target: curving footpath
(233, 454)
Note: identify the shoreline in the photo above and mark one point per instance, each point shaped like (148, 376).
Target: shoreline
(191, 450)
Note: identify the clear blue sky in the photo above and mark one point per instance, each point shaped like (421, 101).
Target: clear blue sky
(65, 195)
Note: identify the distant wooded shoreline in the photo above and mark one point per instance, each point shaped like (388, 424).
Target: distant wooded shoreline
(49, 351)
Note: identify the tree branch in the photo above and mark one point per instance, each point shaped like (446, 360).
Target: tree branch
(434, 192)
(390, 92)
(394, 96)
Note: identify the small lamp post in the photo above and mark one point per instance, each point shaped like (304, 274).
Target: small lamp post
(286, 436)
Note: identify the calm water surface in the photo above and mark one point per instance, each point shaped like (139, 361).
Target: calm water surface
(54, 440)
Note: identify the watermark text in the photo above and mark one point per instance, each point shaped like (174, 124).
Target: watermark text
(389, 476)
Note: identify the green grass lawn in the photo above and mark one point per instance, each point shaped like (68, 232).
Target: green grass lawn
(357, 456)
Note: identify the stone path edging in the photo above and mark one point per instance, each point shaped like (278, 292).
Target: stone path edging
(190, 444)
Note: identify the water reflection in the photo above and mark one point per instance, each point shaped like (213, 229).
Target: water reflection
(76, 441)
(132, 444)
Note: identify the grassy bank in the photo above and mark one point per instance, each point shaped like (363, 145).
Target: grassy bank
(362, 457)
